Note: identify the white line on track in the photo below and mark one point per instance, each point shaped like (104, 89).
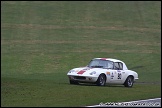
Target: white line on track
(150, 102)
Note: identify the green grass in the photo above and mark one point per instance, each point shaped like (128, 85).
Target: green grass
(22, 91)
(42, 41)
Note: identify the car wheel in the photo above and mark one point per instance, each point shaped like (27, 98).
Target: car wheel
(101, 80)
(73, 82)
(129, 82)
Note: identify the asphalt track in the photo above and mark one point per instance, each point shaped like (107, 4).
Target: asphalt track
(156, 102)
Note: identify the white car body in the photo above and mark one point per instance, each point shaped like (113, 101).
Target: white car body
(103, 71)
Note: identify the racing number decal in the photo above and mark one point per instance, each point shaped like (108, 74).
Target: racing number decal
(119, 75)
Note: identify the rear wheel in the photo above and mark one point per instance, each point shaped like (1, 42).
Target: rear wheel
(129, 82)
(101, 80)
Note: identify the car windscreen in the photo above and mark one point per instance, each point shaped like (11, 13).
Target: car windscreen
(97, 63)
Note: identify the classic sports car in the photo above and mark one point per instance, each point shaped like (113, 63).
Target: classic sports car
(103, 71)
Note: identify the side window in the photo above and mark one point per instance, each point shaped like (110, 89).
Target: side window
(121, 66)
(116, 66)
(110, 65)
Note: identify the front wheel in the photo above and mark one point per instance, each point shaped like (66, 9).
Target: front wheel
(129, 82)
(101, 80)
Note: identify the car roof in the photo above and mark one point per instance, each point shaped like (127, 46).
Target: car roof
(111, 59)
(114, 60)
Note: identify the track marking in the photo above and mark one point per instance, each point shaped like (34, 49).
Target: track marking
(129, 102)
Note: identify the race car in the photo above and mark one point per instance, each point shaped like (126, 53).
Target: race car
(102, 71)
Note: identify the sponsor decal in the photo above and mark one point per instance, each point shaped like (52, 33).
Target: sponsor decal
(112, 75)
(108, 73)
(81, 72)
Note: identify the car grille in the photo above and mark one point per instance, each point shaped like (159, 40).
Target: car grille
(79, 77)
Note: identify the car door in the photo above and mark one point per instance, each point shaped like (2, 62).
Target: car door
(118, 73)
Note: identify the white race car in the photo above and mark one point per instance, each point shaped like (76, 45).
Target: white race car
(103, 71)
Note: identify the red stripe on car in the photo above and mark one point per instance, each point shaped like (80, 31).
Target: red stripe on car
(103, 58)
(81, 72)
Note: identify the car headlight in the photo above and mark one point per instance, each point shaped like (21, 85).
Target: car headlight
(71, 71)
(94, 72)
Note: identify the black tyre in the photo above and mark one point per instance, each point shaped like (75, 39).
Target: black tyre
(73, 82)
(129, 82)
(101, 81)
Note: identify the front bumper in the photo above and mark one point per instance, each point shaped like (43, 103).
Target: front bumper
(87, 79)
(135, 79)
